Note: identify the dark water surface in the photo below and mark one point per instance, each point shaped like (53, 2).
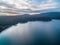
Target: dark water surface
(32, 33)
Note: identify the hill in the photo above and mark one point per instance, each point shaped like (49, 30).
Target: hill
(7, 21)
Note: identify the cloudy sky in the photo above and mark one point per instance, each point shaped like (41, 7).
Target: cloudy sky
(19, 7)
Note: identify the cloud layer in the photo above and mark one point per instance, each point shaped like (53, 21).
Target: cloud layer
(19, 7)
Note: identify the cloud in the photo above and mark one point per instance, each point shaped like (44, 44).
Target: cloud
(25, 6)
(47, 4)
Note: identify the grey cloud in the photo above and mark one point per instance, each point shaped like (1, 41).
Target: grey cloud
(7, 5)
(11, 8)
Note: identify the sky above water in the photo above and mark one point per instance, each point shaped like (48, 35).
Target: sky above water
(19, 7)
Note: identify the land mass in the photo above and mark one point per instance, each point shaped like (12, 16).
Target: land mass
(7, 21)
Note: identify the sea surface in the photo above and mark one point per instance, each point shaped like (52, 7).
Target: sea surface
(32, 33)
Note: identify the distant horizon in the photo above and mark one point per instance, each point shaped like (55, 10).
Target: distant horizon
(32, 14)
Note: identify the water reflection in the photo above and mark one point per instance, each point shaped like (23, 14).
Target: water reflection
(32, 33)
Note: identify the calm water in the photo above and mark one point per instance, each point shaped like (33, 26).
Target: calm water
(32, 33)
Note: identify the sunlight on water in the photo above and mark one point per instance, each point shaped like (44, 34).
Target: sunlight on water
(31, 33)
